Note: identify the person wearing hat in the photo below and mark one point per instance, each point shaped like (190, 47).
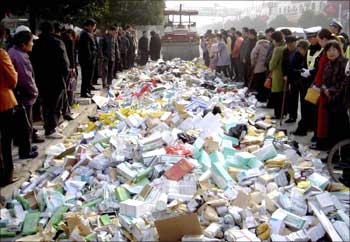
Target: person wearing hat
(290, 65)
(8, 81)
(336, 27)
(26, 91)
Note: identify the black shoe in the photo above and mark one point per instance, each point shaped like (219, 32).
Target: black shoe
(36, 140)
(34, 148)
(31, 155)
(68, 117)
(290, 120)
(86, 95)
(300, 132)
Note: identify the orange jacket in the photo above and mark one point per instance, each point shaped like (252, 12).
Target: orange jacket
(8, 81)
(237, 47)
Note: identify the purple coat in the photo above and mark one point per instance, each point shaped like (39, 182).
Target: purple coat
(26, 91)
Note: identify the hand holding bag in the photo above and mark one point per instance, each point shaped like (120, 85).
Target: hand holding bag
(313, 94)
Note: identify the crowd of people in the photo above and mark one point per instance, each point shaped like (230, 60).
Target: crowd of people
(38, 77)
(283, 70)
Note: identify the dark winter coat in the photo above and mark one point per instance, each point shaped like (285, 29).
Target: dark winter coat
(155, 46)
(50, 63)
(143, 50)
(87, 52)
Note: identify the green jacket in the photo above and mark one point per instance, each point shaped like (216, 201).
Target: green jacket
(275, 66)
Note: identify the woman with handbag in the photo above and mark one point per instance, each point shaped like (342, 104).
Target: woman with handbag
(8, 81)
(275, 66)
(333, 89)
(318, 141)
(26, 91)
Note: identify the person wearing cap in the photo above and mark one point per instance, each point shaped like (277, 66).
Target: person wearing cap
(51, 67)
(290, 66)
(87, 55)
(143, 49)
(26, 91)
(8, 81)
(336, 27)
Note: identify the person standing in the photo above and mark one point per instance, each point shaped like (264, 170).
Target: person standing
(124, 45)
(132, 47)
(336, 27)
(249, 71)
(26, 91)
(275, 67)
(291, 66)
(205, 51)
(110, 55)
(155, 46)
(8, 81)
(235, 56)
(257, 59)
(143, 49)
(87, 55)
(308, 74)
(302, 84)
(333, 88)
(223, 64)
(244, 55)
(69, 42)
(51, 68)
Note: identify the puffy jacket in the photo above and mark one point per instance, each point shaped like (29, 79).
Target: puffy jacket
(8, 81)
(258, 55)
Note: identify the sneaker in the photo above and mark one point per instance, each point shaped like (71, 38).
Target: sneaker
(55, 135)
(31, 155)
(34, 148)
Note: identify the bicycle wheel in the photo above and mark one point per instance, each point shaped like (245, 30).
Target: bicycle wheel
(339, 159)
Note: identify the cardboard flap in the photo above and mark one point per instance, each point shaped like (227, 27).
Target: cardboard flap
(173, 229)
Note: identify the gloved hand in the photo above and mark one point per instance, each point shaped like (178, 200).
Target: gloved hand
(305, 73)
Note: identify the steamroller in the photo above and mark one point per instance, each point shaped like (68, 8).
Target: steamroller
(180, 38)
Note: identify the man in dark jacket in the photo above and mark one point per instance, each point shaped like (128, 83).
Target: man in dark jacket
(143, 49)
(87, 55)
(131, 51)
(155, 46)
(292, 62)
(51, 68)
(124, 45)
(109, 55)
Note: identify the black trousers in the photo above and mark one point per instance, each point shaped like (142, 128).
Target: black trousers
(240, 70)
(307, 110)
(258, 85)
(292, 100)
(6, 134)
(107, 73)
(277, 100)
(24, 129)
(247, 74)
(87, 74)
(206, 58)
(124, 61)
(52, 110)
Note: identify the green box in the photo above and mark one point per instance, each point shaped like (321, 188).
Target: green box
(204, 160)
(30, 224)
(121, 194)
(105, 220)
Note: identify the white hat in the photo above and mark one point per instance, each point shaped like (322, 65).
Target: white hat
(22, 28)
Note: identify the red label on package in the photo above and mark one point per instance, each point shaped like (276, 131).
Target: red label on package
(177, 171)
